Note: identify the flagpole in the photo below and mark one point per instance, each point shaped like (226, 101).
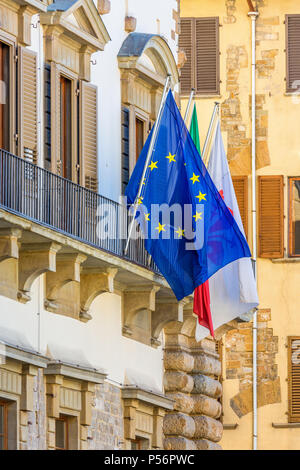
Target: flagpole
(210, 130)
(149, 154)
(187, 111)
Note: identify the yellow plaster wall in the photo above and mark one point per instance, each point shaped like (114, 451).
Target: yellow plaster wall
(278, 283)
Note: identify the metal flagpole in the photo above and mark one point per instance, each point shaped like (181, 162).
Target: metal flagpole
(149, 154)
(210, 131)
(187, 111)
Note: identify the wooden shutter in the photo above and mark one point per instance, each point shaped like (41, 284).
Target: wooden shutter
(125, 148)
(88, 138)
(207, 56)
(240, 184)
(292, 52)
(270, 226)
(294, 378)
(187, 44)
(27, 79)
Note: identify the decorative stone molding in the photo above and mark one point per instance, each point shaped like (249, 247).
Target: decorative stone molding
(34, 260)
(144, 412)
(62, 282)
(135, 300)
(70, 390)
(130, 24)
(93, 284)
(9, 254)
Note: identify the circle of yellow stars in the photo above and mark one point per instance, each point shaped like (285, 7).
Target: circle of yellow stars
(201, 197)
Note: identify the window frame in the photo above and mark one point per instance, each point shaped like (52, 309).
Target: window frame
(291, 417)
(287, 79)
(216, 92)
(290, 217)
(5, 423)
(65, 420)
(13, 103)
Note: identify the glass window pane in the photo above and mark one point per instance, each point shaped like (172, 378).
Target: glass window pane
(295, 217)
(1, 443)
(60, 434)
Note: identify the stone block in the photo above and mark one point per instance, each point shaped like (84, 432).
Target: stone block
(207, 386)
(178, 381)
(179, 443)
(182, 402)
(205, 444)
(207, 406)
(179, 424)
(178, 360)
(206, 365)
(208, 428)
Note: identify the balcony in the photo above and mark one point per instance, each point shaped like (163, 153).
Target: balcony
(51, 226)
(57, 203)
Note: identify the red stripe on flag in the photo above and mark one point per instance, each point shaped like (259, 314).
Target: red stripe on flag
(202, 306)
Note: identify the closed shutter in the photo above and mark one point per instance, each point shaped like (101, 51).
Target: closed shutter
(294, 378)
(186, 43)
(293, 52)
(207, 55)
(270, 226)
(125, 148)
(27, 104)
(88, 137)
(240, 184)
(47, 116)
(55, 119)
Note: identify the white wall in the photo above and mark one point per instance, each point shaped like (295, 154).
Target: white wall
(98, 343)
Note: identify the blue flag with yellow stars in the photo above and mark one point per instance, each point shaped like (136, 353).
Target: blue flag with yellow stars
(189, 231)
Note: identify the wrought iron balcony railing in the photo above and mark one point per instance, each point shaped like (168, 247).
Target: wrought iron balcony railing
(55, 202)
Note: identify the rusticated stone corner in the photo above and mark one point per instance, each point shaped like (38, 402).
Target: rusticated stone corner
(179, 443)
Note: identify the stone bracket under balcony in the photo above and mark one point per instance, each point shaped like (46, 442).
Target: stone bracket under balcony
(166, 311)
(9, 254)
(34, 260)
(135, 300)
(92, 284)
(63, 285)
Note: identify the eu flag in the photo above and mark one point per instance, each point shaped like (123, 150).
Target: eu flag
(189, 231)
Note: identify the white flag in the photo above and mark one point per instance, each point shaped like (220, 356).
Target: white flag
(233, 288)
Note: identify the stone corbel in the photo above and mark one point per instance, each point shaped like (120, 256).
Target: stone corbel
(53, 384)
(158, 419)
(130, 407)
(29, 372)
(87, 394)
(136, 299)
(9, 243)
(51, 35)
(93, 284)
(67, 272)
(24, 24)
(34, 260)
(9, 254)
(85, 62)
(166, 311)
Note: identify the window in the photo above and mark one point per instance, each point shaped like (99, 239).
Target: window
(292, 24)
(270, 216)
(240, 184)
(65, 127)
(293, 378)
(140, 443)
(4, 97)
(139, 137)
(3, 426)
(61, 433)
(294, 216)
(199, 38)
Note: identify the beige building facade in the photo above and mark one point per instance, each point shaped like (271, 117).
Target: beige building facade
(224, 74)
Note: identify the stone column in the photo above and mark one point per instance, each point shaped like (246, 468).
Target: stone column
(191, 371)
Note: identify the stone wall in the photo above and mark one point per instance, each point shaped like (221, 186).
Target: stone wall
(191, 371)
(106, 430)
(238, 364)
(33, 423)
